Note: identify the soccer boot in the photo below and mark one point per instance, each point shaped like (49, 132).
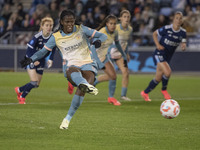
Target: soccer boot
(145, 96)
(21, 100)
(125, 98)
(166, 94)
(70, 88)
(88, 88)
(17, 92)
(113, 101)
(64, 124)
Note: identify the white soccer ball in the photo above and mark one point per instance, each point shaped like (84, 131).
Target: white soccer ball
(170, 109)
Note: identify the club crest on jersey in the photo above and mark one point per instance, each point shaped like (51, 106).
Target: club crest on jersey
(78, 37)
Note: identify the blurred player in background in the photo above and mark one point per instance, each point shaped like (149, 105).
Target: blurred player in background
(108, 27)
(72, 40)
(171, 36)
(35, 71)
(124, 32)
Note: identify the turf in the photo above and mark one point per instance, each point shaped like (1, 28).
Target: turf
(98, 125)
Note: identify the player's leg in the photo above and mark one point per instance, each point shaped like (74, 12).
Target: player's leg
(24, 90)
(77, 99)
(110, 71)
(153, 83)
(165, 79)
(101, 78)
(125, 78)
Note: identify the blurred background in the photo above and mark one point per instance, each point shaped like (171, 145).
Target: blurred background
(20, 20)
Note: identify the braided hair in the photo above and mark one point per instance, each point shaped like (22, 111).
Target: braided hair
(64, 13)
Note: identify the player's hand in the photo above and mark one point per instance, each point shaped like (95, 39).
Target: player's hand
(125, 63)
(97, 43)
(128, 57)
(160, 47)
(183, 46)
(26, 61)
(49, 63)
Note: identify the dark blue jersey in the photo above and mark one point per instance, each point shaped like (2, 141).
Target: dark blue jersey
(36, 44)
(170, 39)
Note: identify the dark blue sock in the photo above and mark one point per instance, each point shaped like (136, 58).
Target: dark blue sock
(164, 82)
(21, 89)
(27, 89)
(151, 86)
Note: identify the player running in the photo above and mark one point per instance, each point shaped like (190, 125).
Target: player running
(170, 38)
(35, 71)
(80, 69)
(108, 27)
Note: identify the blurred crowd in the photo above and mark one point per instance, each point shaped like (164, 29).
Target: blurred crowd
(147, 15)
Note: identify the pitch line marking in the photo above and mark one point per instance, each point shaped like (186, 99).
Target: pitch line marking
(103, 101)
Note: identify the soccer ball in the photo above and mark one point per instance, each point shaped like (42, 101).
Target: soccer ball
(170, 109)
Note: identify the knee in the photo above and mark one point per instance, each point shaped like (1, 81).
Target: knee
(113, 77)
(35, 84)
(125, 74)
(168, 74)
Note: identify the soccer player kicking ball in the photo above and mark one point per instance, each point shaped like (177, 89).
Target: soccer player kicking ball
(72, 39)
(170, 38)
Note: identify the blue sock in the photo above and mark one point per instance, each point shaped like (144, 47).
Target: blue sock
(27, 89)
(112, 86)
(151, 86)
(164, 82)
(76, 102)
(96, 82)
(77, 78)
(124, 91)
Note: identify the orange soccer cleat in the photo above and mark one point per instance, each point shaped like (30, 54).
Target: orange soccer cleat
(70, 88)
(113, 101)
(166, 94)
(17, 92)
(145, 96)
(21, 100)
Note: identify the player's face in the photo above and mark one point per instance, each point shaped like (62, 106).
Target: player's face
(47, 27)
(178, 20)
(125, 18)
(68, 23)
(111, 25)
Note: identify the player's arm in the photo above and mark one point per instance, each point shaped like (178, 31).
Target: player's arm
(51, 57)
(40, 54)
(183, 43)
(97, 37)
(155, 38)
(119, 46)
(120, 49)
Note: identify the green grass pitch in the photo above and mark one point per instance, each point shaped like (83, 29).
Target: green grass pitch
(98, 125)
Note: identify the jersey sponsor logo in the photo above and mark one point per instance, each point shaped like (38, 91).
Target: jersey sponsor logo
(73, 47)
(170, 43)
(170, 32)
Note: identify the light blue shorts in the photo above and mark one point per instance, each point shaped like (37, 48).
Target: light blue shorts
(87, 67)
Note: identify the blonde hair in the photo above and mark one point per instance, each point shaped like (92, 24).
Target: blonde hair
(124, 11)
(45, 19)
(178, 12)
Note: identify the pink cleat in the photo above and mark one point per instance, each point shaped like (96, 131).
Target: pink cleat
(113, 101)
(17, 92)
(166, 94)
(21, 100)
(70, 88)
(145, 96)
